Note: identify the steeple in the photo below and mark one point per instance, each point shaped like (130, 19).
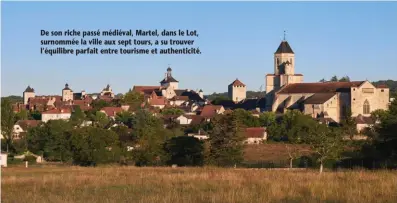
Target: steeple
(284, 48)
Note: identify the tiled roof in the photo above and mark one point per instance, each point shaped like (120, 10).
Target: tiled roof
(319, 98)
(237, 83)
(25, 124)
(210, 110)
(382, 86)
(169, 79)
(256, 132)
(320, 87)
(284, 48)
(145, 88)
(111, 111)
(360, 119)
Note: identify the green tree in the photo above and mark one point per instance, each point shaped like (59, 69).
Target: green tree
(7, 122)
(172, 111)
(34, 115)
(97, 105)
(334, 79)
(185, 151)
(267, 119)
(21, 115)
(349, 125)
(226, 141)
(326, 143)
(51, 140)
(151, 137)
(245, 118)
(78, 116)
(219, 99)
(101, 120)
(323, 80)
(133, 99)
(91, 146)
(344, 79)
(125, 117)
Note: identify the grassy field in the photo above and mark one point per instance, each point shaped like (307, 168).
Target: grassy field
(132, 184)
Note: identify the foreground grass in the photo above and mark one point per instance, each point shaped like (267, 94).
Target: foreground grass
(131, 184)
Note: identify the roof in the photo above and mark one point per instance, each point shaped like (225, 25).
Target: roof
(58, 111)
(180, 98)
(382, 86)
(319, 98)
(29, 89)
(360, 119)
(111, 111)
(66, 87)
(319, 87)
(210, 110)
(145, 88)
(256, 132)
(168, 79)
(284, 48)
(25, 124)
(237, 83)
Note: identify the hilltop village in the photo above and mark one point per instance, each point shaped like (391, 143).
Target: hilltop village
(286, 90)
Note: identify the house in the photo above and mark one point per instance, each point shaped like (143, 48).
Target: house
(210, 111)
(255, 135)
(184, 120)
(21, 127)
(111, 111)
(201, 135)
(56, 114)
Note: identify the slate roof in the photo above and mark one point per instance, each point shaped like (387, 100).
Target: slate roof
(284, 48)
(320, 87)
(169, 79)
(29, 89)
(319, 98)
(66, 87)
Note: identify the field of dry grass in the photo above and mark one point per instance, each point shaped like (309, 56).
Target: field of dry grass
(271, 152)
(132, 184)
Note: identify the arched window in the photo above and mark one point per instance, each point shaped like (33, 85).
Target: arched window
(366, 107)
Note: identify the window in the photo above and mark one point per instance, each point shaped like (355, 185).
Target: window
(278, 61)
(366, 107)
(382, 90)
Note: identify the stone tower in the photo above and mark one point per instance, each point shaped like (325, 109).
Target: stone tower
(169, 80)
(28, 93)
(67, 93)
(237, 91)
(284, 72)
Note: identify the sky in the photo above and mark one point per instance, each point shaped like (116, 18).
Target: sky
(237, 40)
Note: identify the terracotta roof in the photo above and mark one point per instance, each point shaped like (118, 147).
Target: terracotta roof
(210, 110)
(145, 88)
(319, 98)
(237, 83)
(196, 119)
(360, 119)
(58, 111)
(25, 124)
(284, 48)
(29, 89)
(256, 132)
(320, 87)
(111, 111)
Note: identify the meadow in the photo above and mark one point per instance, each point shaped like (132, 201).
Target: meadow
(48, 183)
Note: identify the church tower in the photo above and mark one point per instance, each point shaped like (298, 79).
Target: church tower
(237, 91)
(28, 93)
(169, 80)
(284, 71)
(67, 93)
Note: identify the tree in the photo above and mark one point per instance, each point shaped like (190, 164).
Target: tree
(78, 116)
(151, 137)
(34, 115)
(97, 105)
(266, 119)
(327, 143)
(133, 99)
(323, 80)
(21, 115)
(349, 125)
(185, 151)
(245, 118)
(172, 111)
(334, 79)
(124, 117)
(220, 99)
(226, 141)
(51, 140)
(101, 120)
(91, 146)
(344, 79)
(7, 122)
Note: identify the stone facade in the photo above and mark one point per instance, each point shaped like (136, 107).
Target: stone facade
(237, 91)
(67, 93)
(28, 93)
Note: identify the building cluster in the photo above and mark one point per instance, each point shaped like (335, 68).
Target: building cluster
(326, 102)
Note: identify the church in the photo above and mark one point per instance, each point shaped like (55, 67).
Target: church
(328, 101)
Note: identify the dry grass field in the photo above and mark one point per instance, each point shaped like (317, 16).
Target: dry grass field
(131, 184)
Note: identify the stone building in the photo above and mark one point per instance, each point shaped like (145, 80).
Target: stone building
(322, 100)
(107, 91)
(169, 81)
(28, 93)
(237, 91)
(67, 93)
